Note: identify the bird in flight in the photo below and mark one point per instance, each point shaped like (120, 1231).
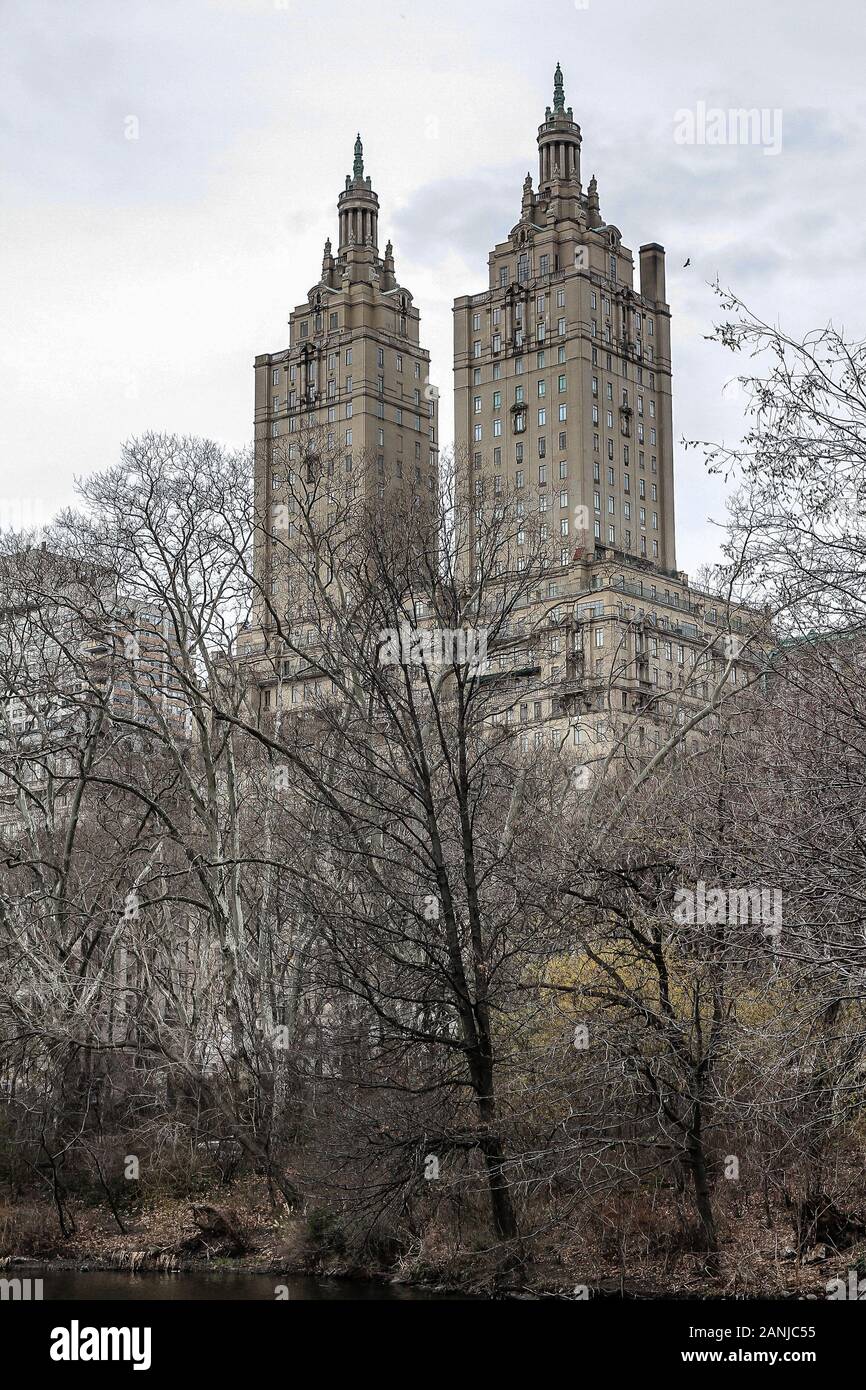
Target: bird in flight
(688, 263)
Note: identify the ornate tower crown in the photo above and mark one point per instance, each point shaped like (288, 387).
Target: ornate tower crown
(358, 207)
(558, 141)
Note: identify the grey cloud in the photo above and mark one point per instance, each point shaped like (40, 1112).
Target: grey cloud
(465, 215)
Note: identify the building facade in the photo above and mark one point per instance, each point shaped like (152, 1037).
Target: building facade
(563, 425)
(346, 410)
(562, 368)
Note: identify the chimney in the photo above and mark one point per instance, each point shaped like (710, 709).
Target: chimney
(652, 272)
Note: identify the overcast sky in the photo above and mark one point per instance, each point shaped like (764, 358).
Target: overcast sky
(140, 276)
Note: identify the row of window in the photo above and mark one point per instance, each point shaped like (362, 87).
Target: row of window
(541, 363)
(549, 264)
(519, 337)
(624, 402)
(638, 319)
(645, 548)
(413, 422)
(540, 309)
(332, 365)
(541, 324)
(318, 323)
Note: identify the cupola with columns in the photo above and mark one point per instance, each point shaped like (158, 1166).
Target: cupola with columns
(358, 208)
(558, 142)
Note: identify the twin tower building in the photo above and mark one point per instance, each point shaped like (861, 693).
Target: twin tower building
(562, 377)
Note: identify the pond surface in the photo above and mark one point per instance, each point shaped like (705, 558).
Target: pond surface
(97, 1285)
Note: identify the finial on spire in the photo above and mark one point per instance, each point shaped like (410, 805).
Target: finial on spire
(558, 90)
(358, 168)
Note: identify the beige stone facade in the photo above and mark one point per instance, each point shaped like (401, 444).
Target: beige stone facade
(562, 369)
(563, 428)
(346, 410)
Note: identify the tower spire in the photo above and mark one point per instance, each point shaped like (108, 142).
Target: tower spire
(558, 90)
(358, 168)
(558, 141)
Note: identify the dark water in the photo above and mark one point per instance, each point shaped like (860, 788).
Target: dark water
(63, 1284)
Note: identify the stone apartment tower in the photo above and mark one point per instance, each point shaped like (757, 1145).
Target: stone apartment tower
(562, 369)
(350, 396)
